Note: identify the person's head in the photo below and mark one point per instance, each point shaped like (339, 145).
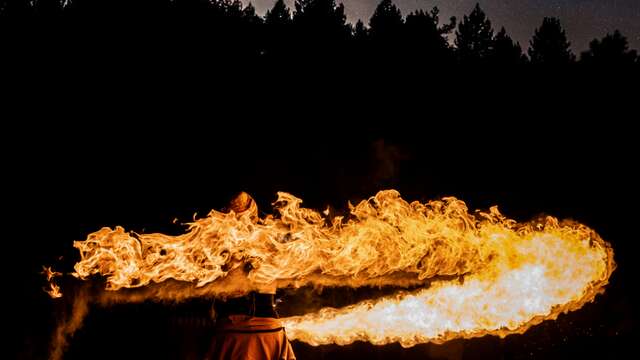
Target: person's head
(243, 204)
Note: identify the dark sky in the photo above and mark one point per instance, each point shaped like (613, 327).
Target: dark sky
(583, 19)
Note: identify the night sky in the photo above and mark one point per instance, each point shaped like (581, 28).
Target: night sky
(584, 20)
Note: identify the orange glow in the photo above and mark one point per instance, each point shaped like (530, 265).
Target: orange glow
(53, 290)
(506, 276)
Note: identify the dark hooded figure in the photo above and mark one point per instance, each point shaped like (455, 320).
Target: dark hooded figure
(247, 328)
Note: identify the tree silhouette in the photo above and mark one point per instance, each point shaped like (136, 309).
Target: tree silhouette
(249, 29)
(426, 39)
(360, 49)
(195, 33)
(386, 33)
(505, 51)
(360, 32)
(279, 15)
(15, 27)
(15, 9)
(613, 49)
(249, 15)
(549, 44)
(47, 8)
(474, 37)
(47, 26)
(386, 22)
(320, 23)
(278, 24)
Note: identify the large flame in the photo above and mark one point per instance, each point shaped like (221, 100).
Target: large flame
(479, 273)
(535, 275)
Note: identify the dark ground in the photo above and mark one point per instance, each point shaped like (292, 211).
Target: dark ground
(568, 152)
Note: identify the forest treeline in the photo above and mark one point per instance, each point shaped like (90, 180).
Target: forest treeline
(209, 30)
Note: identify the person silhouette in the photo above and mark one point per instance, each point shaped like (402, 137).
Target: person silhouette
(248, 327)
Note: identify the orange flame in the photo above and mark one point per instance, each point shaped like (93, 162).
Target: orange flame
(54, 289)
(508, 276)
(534, 276)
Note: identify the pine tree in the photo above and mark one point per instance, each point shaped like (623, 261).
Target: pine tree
(278, 29)
(474, 37)
(613, 49)
(15, 10)
(250, 17)
(549, 44)
(505, 51)
(48, 8)
(279, 15)
(322, 20)
(386, 22)
(426, 38)
(360, 32)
